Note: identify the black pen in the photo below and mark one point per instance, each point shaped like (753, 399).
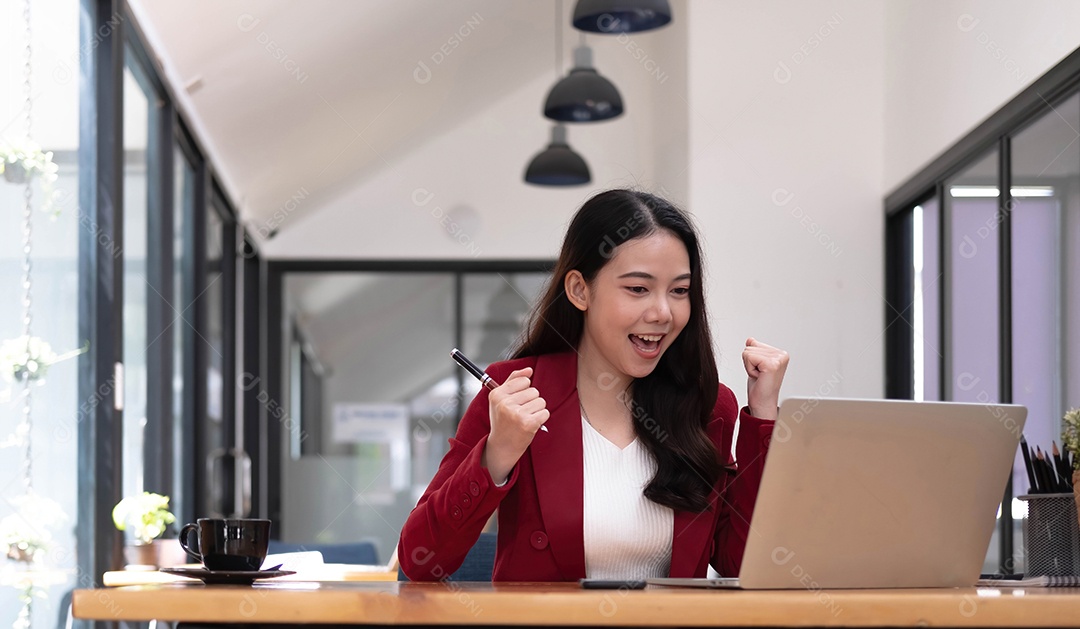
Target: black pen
(1033, 481)
(1063, 472)
(471, 367)
(1046, 481)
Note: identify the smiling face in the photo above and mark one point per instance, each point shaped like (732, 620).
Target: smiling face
(635, 307)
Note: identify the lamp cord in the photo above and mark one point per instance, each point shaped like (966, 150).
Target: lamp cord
(558, 39)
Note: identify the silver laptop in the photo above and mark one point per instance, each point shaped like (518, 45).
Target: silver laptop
(877, 494)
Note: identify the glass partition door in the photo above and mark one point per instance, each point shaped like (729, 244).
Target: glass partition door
(371, 396)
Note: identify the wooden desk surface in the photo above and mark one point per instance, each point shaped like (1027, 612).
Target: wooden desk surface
(567, 604)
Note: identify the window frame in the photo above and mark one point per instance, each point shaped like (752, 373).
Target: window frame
(996, 132)
(157, 476)
(110, 37)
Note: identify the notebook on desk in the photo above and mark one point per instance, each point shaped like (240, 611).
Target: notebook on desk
(877, 494)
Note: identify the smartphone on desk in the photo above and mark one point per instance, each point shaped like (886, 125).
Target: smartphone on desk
(612, 584)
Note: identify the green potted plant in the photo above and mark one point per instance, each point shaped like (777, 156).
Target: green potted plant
(146, 517)
(1070, 436)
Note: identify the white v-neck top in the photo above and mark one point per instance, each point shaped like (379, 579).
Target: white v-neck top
(627, 536)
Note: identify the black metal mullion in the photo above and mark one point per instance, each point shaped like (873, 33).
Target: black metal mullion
(274, 388)
(413, 266)
(187, 509)
(249, 381)
(1005, 384)
(229, 419)
(945, 251)
(101, 184)
(157, 446)
(220, 464)
(944, 366)
(195, 354)
(899, 293)
(459, 342)
(1065, 284)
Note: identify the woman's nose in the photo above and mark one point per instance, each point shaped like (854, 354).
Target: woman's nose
(659, 312)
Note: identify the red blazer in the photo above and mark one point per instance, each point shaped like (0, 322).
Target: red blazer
(541, 506)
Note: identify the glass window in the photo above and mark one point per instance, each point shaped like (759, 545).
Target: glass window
(136, 283)
(1045, 293)
(972, 255)
(48, 515)
(972, 311)
(183, 213)
(1038, 221)
(927, 303)
(495, 307)
(382, 340)
(212, 342)
(368, 356)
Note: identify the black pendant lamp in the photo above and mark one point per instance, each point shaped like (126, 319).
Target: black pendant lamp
(621, 16)
(583, 95)
(558, 164)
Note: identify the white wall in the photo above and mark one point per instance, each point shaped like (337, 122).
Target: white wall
(949, 65)
(786, 145)
(472, 174)
(670, 52)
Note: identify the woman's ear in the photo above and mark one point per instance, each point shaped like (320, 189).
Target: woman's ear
(577, 291)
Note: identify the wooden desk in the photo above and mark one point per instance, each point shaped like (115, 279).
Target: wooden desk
(566, 604)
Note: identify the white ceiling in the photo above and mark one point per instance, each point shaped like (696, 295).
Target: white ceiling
(309, 100)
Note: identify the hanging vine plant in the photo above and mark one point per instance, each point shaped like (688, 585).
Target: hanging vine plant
(20, 164)
(24, 536)
(25, 359)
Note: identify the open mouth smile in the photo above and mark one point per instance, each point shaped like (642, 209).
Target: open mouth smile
(647, 345)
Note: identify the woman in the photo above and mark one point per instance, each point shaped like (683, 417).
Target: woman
(633, 475)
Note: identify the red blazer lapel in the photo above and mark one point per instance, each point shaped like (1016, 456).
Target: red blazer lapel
(557, 461)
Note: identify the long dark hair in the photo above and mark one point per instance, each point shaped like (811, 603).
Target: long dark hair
(672, 405)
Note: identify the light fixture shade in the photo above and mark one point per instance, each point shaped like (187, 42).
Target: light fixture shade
(558, 164)
(583, 95)
(621, 16)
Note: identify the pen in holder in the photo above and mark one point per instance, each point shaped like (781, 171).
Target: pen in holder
(1051, 535)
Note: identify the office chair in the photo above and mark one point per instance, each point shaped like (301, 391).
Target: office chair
(478, 564)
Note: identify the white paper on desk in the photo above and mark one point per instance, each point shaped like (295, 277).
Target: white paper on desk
(296, 562)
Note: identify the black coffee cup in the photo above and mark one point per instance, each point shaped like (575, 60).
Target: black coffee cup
(228, 545)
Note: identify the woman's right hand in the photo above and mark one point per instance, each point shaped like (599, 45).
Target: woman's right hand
(517, 412)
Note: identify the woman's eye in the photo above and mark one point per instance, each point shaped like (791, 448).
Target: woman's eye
(637, 290)
(681, 291)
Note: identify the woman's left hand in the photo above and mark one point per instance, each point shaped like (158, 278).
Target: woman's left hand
(765, 367)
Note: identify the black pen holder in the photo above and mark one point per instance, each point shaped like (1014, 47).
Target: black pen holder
(1051, 535)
